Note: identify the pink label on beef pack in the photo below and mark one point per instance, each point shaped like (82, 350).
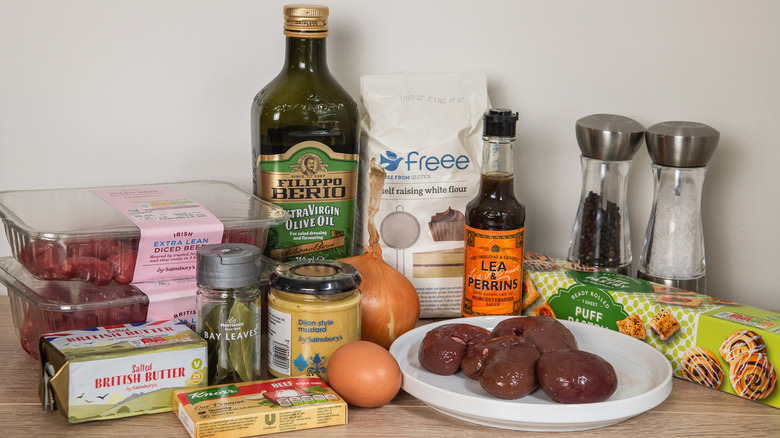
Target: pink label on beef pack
(171, 299)
(172, 228)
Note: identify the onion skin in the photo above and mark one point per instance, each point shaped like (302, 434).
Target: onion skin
(390, 306)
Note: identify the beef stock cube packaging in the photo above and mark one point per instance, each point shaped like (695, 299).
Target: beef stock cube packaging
(425, 130)
(119, 371)
(719, 344)
(258, 408)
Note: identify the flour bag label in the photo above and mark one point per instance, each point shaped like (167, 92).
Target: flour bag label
(425, 130)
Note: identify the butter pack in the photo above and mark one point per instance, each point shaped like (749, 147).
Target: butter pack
(258, 408)
(717, 343)
(120, 370)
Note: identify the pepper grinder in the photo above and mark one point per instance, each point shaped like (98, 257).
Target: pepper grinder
(673, 249)
(600, 236)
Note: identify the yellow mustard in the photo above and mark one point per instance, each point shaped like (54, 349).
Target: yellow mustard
(313, 308)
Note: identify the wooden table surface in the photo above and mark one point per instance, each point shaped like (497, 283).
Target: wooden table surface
(690, 410)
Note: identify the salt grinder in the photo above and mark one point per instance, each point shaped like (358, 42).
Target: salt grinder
(600, 236)
(673, 249)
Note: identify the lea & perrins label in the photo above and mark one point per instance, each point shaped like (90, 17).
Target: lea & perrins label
(493, 275)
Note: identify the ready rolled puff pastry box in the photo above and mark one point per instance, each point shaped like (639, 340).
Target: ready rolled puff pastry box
(717, 343)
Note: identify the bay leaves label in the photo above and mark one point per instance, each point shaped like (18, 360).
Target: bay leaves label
(583, 303)
(212, 393)
(241, 351)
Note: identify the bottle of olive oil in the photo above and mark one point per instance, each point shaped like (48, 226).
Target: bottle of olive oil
(305, 134)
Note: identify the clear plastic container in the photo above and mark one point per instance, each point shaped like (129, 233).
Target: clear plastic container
(42, 306)
(68, 234)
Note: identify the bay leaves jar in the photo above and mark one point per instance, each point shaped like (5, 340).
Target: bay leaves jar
(229, 310)
(313, 309)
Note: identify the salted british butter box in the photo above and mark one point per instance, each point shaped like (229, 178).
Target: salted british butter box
(258, 408)
(717, 343)
(119, 370)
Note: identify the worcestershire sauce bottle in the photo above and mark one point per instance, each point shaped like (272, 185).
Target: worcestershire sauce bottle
(305, 146)
(495, 224)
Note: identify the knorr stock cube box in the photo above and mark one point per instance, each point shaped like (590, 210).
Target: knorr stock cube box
(258, 408)
(713, 342)
(120, 370)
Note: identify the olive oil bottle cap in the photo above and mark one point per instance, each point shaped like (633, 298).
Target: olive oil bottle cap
(228, 265)
(306, 21)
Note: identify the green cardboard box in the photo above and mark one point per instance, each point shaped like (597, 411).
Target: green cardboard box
(696, 332)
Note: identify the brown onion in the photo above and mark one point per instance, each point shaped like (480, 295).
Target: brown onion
(390, 306)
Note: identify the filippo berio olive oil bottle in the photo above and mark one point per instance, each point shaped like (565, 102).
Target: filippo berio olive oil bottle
(305, 139)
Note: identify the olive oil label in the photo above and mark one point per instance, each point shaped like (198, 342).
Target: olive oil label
(318, 188)
(493, 272)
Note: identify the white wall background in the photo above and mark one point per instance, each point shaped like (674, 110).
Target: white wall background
(96, 92)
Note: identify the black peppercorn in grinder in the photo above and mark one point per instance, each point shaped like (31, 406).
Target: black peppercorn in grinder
(600, 237)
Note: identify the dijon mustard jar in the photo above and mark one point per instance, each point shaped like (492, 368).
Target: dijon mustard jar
(313, 309)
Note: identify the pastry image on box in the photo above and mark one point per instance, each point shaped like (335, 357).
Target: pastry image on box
(668, 290)
(530, 255)
(540, 265)
(714, 300)
(438, 264)
(700, 365)
(581, 268)
(753, 376)
(530, 294)
(543, 310)
(664, 325)
(632, 326)
(449, 225)
(679, 300)
(739, 343)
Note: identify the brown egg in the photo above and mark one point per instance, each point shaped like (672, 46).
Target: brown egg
(364, 374)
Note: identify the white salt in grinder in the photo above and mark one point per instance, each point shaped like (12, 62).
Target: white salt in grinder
(600, 237)
(673, 249)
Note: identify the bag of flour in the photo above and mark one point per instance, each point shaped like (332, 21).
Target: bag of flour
(425, 129)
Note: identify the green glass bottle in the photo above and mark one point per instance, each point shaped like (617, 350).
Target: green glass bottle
(305, 140)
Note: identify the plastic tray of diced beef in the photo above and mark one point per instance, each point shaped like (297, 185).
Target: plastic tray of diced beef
(66, 234)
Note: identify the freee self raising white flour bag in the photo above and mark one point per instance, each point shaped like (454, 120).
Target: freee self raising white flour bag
(425, 130)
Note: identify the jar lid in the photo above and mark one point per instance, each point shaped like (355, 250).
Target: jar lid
(681, 144)
(321, 277)
(609, 137)
(228, 265)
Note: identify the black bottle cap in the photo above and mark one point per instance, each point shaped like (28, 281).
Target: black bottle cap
(500, 122)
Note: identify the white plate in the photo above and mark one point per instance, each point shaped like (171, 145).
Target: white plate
(644, 381)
